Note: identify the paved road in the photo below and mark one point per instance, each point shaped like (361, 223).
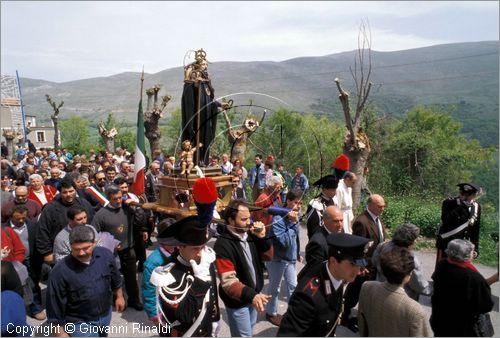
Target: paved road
(132, 323)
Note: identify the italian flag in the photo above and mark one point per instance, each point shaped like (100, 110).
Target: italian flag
(139, 159)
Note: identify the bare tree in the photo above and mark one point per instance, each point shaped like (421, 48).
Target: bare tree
(356, 143)
(108, 135)
(10, 135)
(238, 136)
(152, 116)
(55, 119)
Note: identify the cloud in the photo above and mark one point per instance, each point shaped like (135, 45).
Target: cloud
(71, 40)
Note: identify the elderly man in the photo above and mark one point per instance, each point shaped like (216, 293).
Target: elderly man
(21, 198)
(226, 165)
(344, 198)
(152, 180)
(317, 248)
(82, 286)
(55, 178)
(40, 193)
(316, 304)
(367, 225)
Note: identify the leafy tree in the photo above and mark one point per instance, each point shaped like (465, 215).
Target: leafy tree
(298, 139)
(426, 152)
(75, 135)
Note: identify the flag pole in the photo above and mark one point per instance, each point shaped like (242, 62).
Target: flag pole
(142, 82)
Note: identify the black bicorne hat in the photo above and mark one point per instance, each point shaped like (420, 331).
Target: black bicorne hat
(327, 182)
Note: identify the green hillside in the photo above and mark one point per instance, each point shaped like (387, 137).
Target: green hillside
(463, 75)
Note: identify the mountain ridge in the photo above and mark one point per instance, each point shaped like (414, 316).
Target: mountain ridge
(447, 74)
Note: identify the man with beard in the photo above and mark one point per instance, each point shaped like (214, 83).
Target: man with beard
(81, 287)
(241, 248)
(54, 218)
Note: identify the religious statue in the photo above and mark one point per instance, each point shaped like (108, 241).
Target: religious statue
(186, 158)
(199, 109)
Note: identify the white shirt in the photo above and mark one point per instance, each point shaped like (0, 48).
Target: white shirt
(379, 225)
(227, 167)
(344, 198)
(41, 196)
(335, 282)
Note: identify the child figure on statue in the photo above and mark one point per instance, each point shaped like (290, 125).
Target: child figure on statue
(186, 157)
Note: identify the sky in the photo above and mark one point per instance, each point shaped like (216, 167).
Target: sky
(64, 41)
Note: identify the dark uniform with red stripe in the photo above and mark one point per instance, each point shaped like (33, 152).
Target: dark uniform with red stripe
(181, 316)
(314, 307)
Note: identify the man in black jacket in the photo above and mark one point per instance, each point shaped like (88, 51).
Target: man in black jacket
(53, 218)
(152, 180)
(119, 218)
(241, 248)
(460, 219)
(317, 247)
(27, 230)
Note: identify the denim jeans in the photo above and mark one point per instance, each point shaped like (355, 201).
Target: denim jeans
(241, 321)
(276, 270)
(94, 328)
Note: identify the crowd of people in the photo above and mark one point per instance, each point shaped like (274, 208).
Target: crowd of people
(70, 221)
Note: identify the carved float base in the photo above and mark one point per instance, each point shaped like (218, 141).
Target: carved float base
(171, 186)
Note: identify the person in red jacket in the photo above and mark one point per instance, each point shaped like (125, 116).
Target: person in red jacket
(12, 246)
(41, 194)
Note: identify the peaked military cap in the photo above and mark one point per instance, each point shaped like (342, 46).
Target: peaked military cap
(469, 188)
(187, 231)
(327, 182)
(349, 246)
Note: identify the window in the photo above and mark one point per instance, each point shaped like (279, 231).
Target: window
(40, 136)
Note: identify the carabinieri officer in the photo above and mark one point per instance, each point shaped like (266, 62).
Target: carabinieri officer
(188, 302)
(316, 305)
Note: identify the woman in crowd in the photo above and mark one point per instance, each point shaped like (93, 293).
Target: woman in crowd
(384, 309)
(461, 293)
(404, 236)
